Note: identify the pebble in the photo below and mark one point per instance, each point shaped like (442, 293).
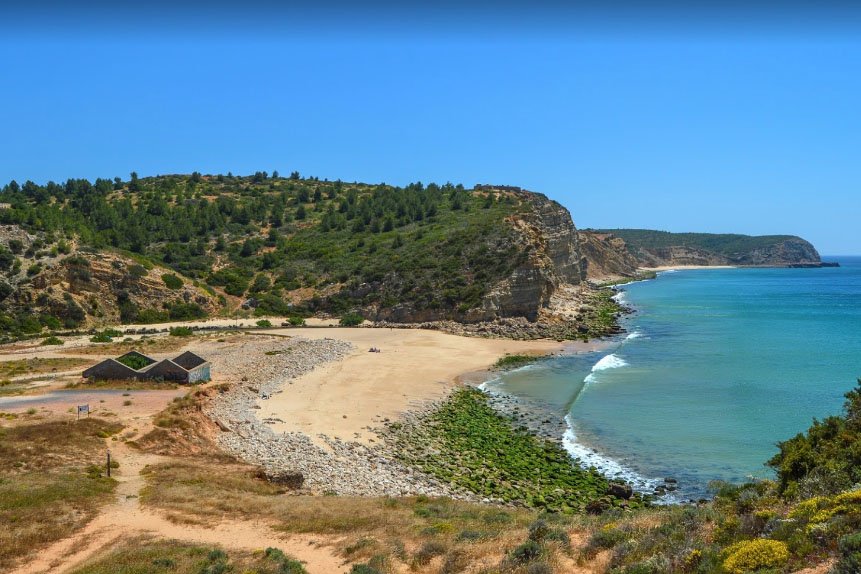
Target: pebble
(345, 468)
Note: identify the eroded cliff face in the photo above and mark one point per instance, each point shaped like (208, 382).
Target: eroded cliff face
(793, 251)
(606, 256)
(90, 287)
(546, 234)
(611, 257)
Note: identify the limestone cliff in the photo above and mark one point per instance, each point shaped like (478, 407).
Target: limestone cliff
(621, 251)
(546, 234)
(542, 242)
(607, 256)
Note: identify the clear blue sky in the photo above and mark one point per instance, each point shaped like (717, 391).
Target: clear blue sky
(728, 120)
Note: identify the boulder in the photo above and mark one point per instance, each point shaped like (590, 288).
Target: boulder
(289, 478)
(620, 490)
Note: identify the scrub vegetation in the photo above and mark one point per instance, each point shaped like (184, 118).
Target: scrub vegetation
(153, 556)
(51, 482)
(291, 245)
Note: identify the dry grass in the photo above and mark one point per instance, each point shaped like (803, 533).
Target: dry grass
(40, 366)
(159, 344)
(124, 384)
(49, 486)
(145, 556)
(182, 429)
(425, 535)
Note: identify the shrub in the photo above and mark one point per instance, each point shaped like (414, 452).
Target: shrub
(172, 281)
(297, 321)
(137, 271)
(52, 340)
(526, 552)
(147, 316)
(186, 311)
(181, 331)
(351, 320)
(850, 554)
(428, 551)
(363, 569)
(286, 564)
(823, 446)
(264, 323)
(752, 555)
(101, 338)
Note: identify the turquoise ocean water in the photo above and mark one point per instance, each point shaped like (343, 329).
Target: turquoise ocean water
(717, 366)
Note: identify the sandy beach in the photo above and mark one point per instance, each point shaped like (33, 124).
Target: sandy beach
(344, 398)
(683, 267)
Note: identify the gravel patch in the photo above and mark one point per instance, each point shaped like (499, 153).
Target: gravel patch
(259, 369)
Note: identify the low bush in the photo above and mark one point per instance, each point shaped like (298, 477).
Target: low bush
(428, 551)
(351, 320)
(52, 340)
(181, 332)
(850, 554)
(172, 281)
(752, 555)
(264, 323)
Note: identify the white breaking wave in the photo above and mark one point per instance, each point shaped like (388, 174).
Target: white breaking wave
(610, 361)
(633, 335)
(588, 457)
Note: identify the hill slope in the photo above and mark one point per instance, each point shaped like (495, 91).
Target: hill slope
(293, 246)
(648, 248)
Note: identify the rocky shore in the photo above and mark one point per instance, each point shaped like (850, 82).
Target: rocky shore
(549, 424)
(263, 368)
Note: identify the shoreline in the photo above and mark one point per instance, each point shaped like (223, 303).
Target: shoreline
(348, 398)
(685, 267)
(269, 373)
(547, 423)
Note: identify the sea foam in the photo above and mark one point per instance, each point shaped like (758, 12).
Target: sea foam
(610, 361)
(588, 457)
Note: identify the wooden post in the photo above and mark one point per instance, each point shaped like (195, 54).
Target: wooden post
(108, 466)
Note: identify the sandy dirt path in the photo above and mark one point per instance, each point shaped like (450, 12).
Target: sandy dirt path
(339, 400)
(126, 518)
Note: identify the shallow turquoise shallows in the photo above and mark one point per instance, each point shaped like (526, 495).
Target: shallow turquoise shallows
(718, 366)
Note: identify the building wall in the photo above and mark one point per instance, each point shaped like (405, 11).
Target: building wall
(200, 373)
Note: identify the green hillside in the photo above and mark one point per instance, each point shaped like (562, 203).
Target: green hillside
(289, 245)
(727, 244)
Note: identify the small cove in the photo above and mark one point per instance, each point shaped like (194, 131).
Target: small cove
(717, 367)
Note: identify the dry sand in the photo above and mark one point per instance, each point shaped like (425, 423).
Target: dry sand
(414, 366)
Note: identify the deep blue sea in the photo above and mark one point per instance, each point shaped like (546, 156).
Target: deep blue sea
(718, 366)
